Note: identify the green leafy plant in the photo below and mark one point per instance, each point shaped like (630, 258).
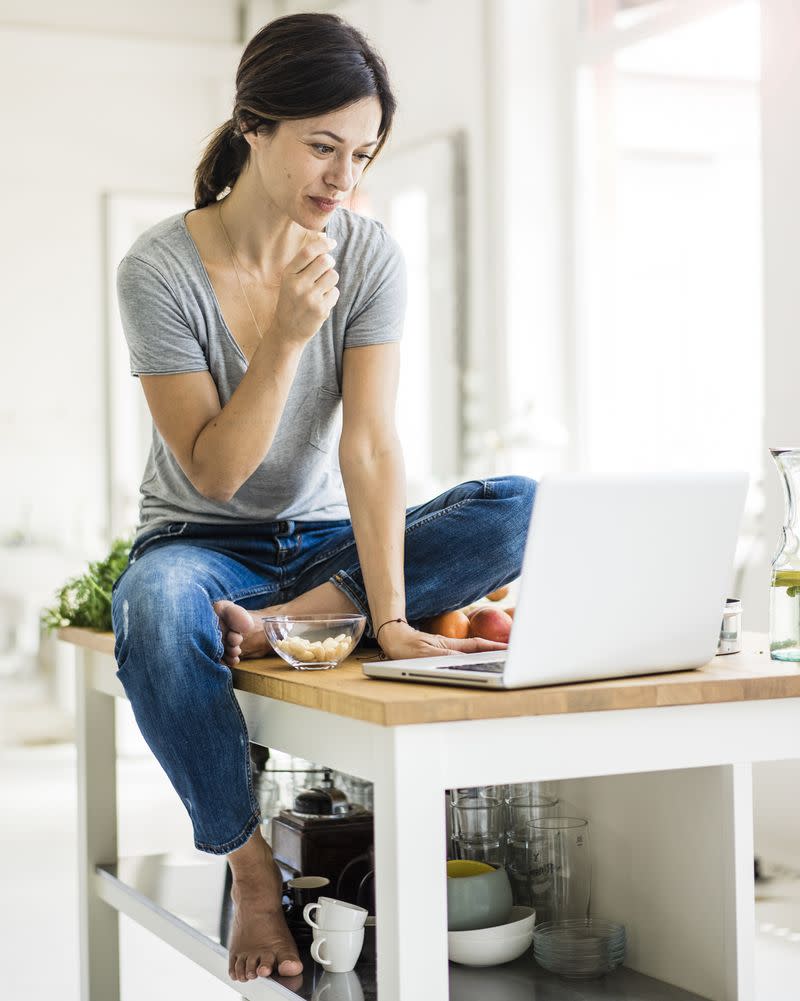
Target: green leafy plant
(85, 600)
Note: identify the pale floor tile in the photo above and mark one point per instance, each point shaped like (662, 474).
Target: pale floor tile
(38, 883)
(778, 934)
(38, 888)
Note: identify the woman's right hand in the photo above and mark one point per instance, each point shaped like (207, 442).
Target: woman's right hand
(308, 291)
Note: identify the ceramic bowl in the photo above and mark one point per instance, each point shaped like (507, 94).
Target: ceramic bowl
(520, 922)
(493, 946)
(313, 642)
(478, 895)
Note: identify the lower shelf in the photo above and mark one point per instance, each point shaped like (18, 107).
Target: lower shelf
(179, 898)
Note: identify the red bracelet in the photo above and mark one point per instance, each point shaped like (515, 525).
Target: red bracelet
(377, 634)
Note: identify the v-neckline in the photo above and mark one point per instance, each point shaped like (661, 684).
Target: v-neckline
(210, 286)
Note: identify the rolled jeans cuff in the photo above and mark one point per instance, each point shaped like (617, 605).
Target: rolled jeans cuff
(345, 583)
(237, 842)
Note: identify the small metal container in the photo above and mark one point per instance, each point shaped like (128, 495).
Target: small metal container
(730, 635)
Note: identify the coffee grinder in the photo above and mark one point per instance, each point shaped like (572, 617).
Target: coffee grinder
(321, 833)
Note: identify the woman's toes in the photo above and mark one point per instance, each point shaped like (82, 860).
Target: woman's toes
(234, 618)
(233, 639)
(252, 965)
(239, 968)
(265, 968)
(289, 966)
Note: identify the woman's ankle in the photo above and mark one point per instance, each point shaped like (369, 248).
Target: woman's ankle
(325, 599)
(251, 856)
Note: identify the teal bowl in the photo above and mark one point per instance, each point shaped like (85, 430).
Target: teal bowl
(478, 895)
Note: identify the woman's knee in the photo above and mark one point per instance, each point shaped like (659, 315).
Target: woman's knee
(161, 604)
(519, 490)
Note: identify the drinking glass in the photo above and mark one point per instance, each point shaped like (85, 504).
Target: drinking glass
(525, 808)
(559, 867)
(476, 792)
(478, 816)
(532, 788)
(486, 849)
(517, 867)
(521, 810)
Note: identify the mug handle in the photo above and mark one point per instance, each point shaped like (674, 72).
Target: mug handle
(307, 914)
(316, 945)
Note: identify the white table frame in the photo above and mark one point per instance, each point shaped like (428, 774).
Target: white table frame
(668, 792)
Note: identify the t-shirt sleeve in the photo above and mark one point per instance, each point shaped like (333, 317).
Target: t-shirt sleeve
(160, 340)
(380, 309)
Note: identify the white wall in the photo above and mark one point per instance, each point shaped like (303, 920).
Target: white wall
(179, 20)
(531, 156)
(777, 811)
(83, 113)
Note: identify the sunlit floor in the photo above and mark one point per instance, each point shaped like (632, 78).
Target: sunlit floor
(38, 890)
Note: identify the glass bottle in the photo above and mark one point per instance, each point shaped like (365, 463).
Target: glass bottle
(784, 599)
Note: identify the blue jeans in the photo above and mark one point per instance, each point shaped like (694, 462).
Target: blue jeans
(460, 546)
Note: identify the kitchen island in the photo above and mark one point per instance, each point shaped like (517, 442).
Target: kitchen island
(660, 764)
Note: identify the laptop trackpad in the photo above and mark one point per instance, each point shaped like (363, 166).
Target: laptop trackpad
(453, 662)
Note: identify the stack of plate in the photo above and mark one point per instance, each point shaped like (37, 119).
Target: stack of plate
(580, 948)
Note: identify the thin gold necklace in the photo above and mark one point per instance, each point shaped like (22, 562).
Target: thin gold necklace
(236, 268)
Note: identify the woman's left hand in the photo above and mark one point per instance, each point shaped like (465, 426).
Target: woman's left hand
(400, 641)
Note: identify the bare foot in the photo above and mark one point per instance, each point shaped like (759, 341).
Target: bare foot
(242, 632)
(260, 941)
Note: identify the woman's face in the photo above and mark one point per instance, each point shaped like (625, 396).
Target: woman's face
(299, 164)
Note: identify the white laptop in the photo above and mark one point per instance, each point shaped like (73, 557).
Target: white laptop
(623, 574)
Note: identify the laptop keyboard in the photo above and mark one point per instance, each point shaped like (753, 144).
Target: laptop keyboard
(493, 667)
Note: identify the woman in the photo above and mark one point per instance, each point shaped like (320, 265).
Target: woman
(248, 342)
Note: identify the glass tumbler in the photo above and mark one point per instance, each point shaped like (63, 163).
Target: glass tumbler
(478, 816)
(559, 867)
(486, 849)
(479, 792)
(520, 811)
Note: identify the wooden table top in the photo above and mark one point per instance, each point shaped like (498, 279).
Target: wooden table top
(346, 691)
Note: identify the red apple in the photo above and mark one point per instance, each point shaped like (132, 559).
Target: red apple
(490, 624)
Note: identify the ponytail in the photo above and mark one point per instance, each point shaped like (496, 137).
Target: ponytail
(223, 160)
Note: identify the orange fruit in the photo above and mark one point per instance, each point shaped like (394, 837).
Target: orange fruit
(454, 625)
(498, 595)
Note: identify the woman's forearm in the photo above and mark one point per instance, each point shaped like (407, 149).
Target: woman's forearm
(375, 484)
(234, 443)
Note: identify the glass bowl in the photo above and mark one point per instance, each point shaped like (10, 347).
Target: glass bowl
(579, 949)
(313, 642)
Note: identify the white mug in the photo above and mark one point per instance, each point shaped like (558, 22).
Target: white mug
(335, 915)
(338, 987)
(337, 951)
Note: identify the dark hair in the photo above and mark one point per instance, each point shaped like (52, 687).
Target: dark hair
(298, 66)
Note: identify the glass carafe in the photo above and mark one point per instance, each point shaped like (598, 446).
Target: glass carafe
(784, 599)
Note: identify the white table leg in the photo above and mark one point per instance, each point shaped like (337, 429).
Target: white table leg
(97, 832)
(739, 913)
(410, 886)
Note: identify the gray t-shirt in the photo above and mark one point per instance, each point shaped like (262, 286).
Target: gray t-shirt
(173, 323)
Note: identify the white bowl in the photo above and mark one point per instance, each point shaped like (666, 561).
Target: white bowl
(520, 922)
(492, 946)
